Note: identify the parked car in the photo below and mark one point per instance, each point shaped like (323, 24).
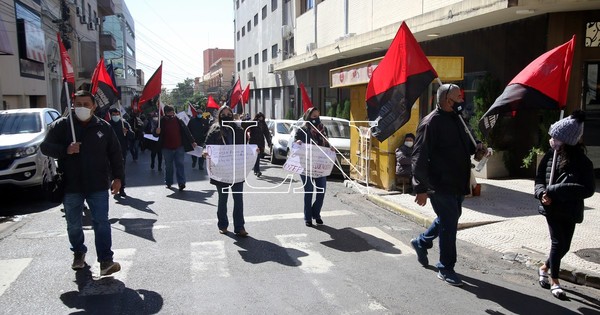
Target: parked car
(280, 132)
(21, 133)
(339, 137)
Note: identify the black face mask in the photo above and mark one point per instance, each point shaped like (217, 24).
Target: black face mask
(316, 121)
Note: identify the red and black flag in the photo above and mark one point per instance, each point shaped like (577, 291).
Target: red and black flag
(104, 91)
(68, 74)
(397, 82)
(306, 103)
(153, 87)
(236, 95)
(211, 104)
(543, 84)
(246, 95)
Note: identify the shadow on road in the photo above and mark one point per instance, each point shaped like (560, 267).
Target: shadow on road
(352, 240)
(192, 196)
(138, 227)
(109, 296)
(135, 203)
(259, 251)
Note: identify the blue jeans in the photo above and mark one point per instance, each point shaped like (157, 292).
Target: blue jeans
(238, 207)
(98, 203)
(177, 157)
(313, 210)
(448, 209)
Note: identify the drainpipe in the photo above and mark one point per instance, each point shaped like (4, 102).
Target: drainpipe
(315, 13)
(345, 17)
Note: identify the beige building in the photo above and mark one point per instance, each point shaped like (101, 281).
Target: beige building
(218, 77)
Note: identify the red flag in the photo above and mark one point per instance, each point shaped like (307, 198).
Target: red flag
(211, 103)
(192, 110)
(246, 94)
(103, 89)
(153, 86)
(543, 84)
(236, 94)
(397, 82)
(65, 60)
(306, 103)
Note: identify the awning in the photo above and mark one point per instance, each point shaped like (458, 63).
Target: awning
(5, 47)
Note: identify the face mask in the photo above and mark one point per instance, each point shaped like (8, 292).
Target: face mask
(226, 118)
(555, 144)
(155, 118)
(115, 118)
(83, 113)
(316, 121)
(408, 144)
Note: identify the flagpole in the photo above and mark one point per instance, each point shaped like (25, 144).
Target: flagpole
(158, 111)
(562, 114)
(461, 120)
(69, 105)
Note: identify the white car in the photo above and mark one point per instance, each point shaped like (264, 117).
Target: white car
(21, 133)
(280, 133)
(339, 137)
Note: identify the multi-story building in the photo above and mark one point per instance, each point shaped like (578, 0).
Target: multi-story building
(264, 37)
(219, 73)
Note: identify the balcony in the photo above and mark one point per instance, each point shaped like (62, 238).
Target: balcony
(106, 7)
(107, 42)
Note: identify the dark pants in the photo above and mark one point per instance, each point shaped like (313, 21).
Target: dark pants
(199, 160)
(133, 148)
(153, 155)
(238, 206)
(257, 164)
(313, 210)
(561, 234)
(448, 209)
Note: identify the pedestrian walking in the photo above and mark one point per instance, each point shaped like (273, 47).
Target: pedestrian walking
(123, 132)
(313, 132)
(137, 126)
(153, 146)
(224, 131)
(441, 172)
(562, 197)
(175, 139)
(258, 135)
(198, 126)
(88, 163)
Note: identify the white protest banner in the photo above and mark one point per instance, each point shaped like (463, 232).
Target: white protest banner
(149, 136)
(310, 160)
(184, 117)
(230, 163)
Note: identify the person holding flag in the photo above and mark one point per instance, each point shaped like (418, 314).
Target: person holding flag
(124, 133)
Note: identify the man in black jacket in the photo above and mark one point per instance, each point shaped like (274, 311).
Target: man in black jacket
(124, 133)
(441, 171)
(88, 163)
(198, 126)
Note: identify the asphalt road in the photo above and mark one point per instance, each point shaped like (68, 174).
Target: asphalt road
(175, 261)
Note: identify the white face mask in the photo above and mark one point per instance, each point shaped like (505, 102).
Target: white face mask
(155, 118)
(555, 144)
(408, 144)
(115, 118)
(83, 113)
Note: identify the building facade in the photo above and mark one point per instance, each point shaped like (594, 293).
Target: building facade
(218, 74)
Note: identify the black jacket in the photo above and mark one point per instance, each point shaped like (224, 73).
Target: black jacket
(186, 137)
(441, 156)
(98, 160)
(258, 134)
(305, 135)
(572, 184)
(218, 135)
(404, 161)
(198, 126)
(118, 129)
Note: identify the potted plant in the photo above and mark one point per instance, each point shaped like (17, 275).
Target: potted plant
(540, 148)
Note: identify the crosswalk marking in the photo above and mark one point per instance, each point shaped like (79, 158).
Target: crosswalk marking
(208, 258)
(314, 262)
(373, 231)
(295, 215)
(10, 269)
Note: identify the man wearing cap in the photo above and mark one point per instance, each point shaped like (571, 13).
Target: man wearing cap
(441, 172)
(123, 131)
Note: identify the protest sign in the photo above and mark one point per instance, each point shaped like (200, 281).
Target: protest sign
(230, 163)
(310, 160)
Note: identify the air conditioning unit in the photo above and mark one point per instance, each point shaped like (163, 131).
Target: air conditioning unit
(271, 68)
(90, 26)
(250, 76)
(82, 19)
(311, 46)
(97, 21)
(287, 31)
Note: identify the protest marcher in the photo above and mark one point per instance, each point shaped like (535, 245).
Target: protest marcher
(258, 134)
(153, 146)
(88, 164)
(404, 160)
(562, 201)
(137, 126)
(198, 126)
(175, 139)
(313, 132)
(123, 131)
(441, 171)
(225, 132)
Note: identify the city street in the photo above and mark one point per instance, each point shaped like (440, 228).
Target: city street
(174, 261)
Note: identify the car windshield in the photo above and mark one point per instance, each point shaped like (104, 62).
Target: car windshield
(337, 129)
(283, 128)
(19, 123)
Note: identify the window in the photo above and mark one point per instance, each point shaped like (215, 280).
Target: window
(264, 12)
(243, 31)
(31, 42)
(238, 66)
(48, 119)
(249, 62)
(264, 55)
(256, 19)
(256, 58)
(243, 64)
(89, 13)
(238, 35)
(249, 26)
(274, 50)
(273, 5)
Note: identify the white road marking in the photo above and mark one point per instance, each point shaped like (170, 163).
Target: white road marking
(208, 258)
(295, 215)
(373, 231)
(314, 262)
(10, 269)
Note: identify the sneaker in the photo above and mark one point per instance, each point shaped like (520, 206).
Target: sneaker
(109, 267)
(78, 261)
(308, 223)
(319, 221)
(421, 252)
(241, 233)
(181, 187)
(450, 277)
(168, 186)
(122, 192)
(223, 231)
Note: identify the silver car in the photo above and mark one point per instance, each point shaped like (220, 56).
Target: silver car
(21, 133)
(280, 132)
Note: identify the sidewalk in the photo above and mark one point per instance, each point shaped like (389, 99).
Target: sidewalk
(505, 219)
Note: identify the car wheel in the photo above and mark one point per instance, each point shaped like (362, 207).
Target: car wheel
(274, 160)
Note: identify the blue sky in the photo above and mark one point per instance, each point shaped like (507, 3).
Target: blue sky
(177, 32)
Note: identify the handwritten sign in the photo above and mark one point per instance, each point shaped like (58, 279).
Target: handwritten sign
(230, 163)
(184, 117)
(149, 136)
(310, 160)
